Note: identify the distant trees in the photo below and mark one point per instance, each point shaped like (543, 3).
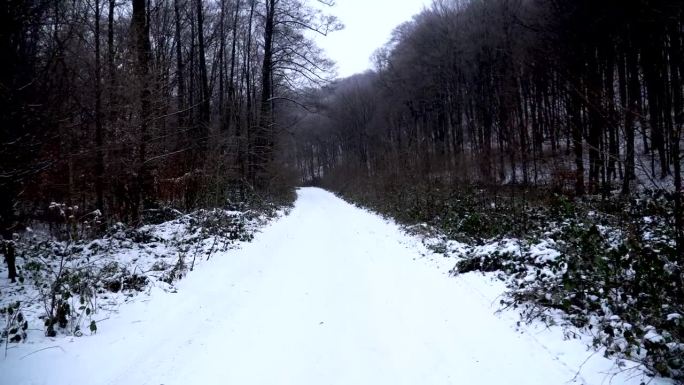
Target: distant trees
(126, 106)
(25, 111)
(581, 95)
(288, 58)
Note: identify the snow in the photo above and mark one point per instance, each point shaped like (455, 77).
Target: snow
(653, 335)
(543, 252)
(330, 294)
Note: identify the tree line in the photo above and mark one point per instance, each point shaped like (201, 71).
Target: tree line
(122, 107)
(584, 96)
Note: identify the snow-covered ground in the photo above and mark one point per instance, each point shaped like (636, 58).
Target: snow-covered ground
(330, 294)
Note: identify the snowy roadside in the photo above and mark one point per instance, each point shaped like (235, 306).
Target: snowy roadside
(330, 294)
(575, 347)
(67, 288)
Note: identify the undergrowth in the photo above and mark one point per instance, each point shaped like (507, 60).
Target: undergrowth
(70, 271)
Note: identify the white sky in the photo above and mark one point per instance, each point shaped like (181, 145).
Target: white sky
(368, 25)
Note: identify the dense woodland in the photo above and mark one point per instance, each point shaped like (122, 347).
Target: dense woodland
(583, 96)
(126, 107)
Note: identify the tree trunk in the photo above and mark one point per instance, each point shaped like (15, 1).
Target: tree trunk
(99, 136)
(234, 112)
(221, 64)
(577, 139)
(263, 146)
(180, 68)
(248, 85)
(632, 112)
(205, 112)
(141, 37)
(676, 131)
(7, 223)
(10, 257)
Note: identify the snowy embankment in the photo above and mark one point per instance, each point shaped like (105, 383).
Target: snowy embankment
(68, 282)
(330, 294)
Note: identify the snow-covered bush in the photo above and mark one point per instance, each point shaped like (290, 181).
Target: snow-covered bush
(619, 278)
(71, 270)
(16, 324)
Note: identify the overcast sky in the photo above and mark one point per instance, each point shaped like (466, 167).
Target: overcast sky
(368, 25)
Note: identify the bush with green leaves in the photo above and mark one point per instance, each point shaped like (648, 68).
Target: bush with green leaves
(16, 324)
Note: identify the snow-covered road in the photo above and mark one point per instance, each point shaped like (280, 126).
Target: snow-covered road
(330, 294)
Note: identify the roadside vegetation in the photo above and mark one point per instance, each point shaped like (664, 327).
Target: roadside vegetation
(71, 274)
(604, 267)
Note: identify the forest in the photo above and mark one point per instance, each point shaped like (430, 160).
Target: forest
(526, 119)
(485, 120)
(578, 95)
(128, 108)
